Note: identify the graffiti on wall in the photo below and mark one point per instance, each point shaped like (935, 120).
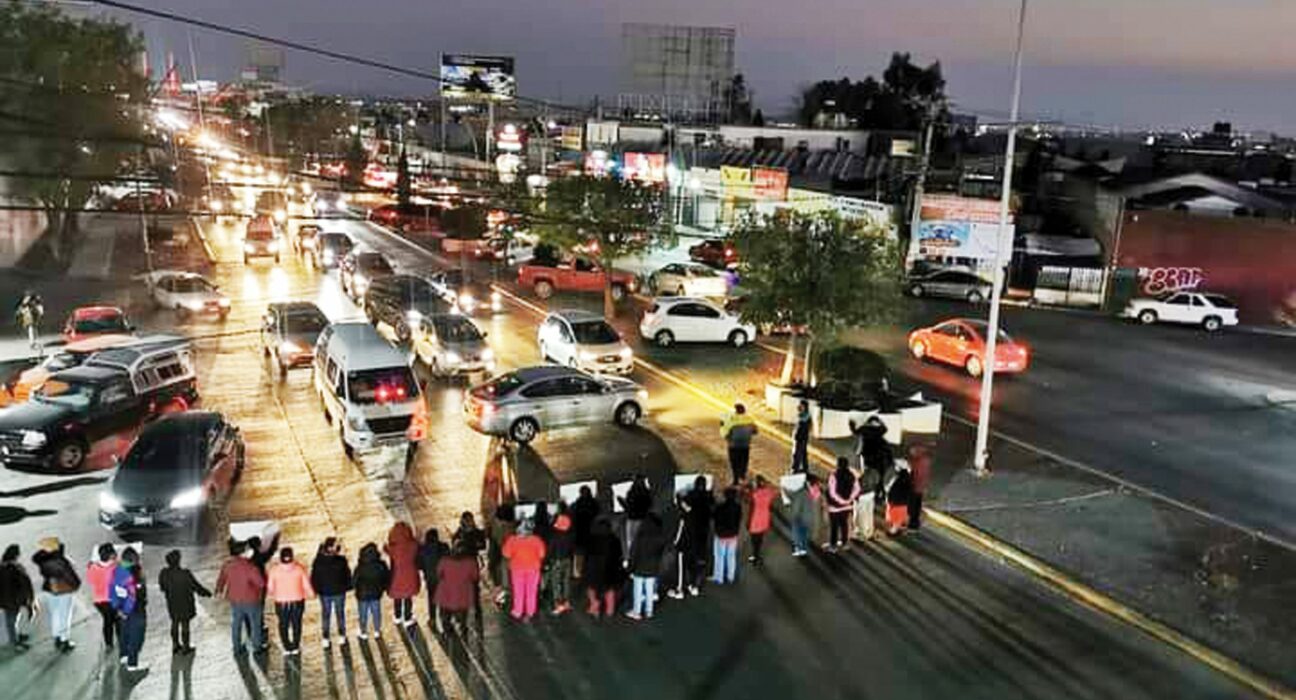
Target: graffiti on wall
(1159, 280)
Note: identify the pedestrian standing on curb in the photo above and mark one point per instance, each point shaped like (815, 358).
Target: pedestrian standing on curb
(645, 566)
(370, 582)
(899, 492)
(16, 596)
(99, 577)
(241, 583)
(692, 537)
(331, 578)
(863, 516)
(558, 569)
(801, 439)
(636, 504)
(59, 584)
(471, 539)
(738, 429)
(800, 510)
(814, 491)
(920, 463)
(525, 552)
(402, 551)
(289, 587)
(179, 588)
(843, 490)
(457, 576)
(873, 452)
(130, 602)
(760, 499)
(604, 573)
(429, 557)
(584, 510)
(728, 525)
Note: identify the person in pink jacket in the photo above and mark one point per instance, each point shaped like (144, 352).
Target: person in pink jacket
(843, 490)
(99, 576)
(289, 587)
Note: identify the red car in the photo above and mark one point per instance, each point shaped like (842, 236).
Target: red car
(89, 321)
(961, 342)
(716, 253)
(574, 275)
(415, 218)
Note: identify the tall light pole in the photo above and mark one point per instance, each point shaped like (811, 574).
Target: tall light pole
(982, 454)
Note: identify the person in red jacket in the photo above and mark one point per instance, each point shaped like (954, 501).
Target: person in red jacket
(760, 499)
(99, 576)
(241, 582)
(289, 586)
(456, 590)
(525, 553)
(402, 551)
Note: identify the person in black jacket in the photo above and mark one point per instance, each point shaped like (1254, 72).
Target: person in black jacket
(728, 524)
(801, 439)
(370, 583)
(604, 574)
(559, 550)
(584, 510)
(331, 578)
(472, 540)
(636, 503)
(16, 595)
(645, 565)
(874, 452)
(692, 536)
(429, 556)
(59, 583)
(179, 588)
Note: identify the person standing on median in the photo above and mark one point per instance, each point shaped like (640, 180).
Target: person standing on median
(760, 500)
(16, 595)
(99, 576)
(179, 588)
(801, 439)
(843, 490)
(920, 463)
(525, 552)
(289, 587)
(728, 525)
(738, 429)
(241, 583)
(331, 578)
(60, 583)
(130, 602)
(370, 582)
(645, 565)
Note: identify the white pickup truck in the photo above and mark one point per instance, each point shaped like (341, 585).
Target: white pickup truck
(1210, 311)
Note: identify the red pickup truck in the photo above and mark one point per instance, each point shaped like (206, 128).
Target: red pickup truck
(575, 275)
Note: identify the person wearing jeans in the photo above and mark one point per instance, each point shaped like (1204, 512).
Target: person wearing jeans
(249, 615)
(369, 583)
(16, 596)
(60, 582)
(289, 587)
(331, 579)
(130, 602)
(728, 523)
(241, 582)
(645, 564)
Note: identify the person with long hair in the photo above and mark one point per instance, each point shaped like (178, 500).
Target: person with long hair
(402, 551)
(16, 596)
(369, 582)
(130, 602)
(331, 579)
(843, 490)
(289, 586)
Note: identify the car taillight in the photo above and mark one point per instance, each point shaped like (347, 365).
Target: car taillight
(418, 423)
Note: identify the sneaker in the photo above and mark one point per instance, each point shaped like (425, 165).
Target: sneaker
(362, 637)
(325, 643)
(695, 591)
(677, 595)
(342, 641)
(137, 668)
(633, 615)
(295, 651)
(377, 634)
(177, 650)
(799, 552)
(122, 660)
(752, 559)
(188, 651)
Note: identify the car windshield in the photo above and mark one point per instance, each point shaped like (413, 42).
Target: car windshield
(1220, 301)
(595, 333)
(502, 385)
(105, 323)
(382, 385)
(192, 285)
(163, 450)
(373, 262)
(456, 329)
(65, 392)
(336, 241)
(305, 321)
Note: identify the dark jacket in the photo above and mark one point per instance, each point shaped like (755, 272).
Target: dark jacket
(637, 501)
(429, 556)
(330, 575)
(371, 575)
(802, 432)
(871, 444)
(57, 573)
(473, 540)
(603, 569)
(647, 549)
(15, 587)
(583, 512)
(457, 577)
(562, 539)
(728, 519)
(694, 536)
(179, 588)
(901, 489)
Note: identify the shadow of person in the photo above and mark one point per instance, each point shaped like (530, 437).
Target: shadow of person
(182, 677)
(250, 682)
(14, 514)
(416, 648)
(330, 674)
(54, 487)
(292, 679)
(469, 673)
(348, 670)
(372, 668)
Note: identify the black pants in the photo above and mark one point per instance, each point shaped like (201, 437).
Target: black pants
(757, 539)
(738, 458)
(179, 634)
(404, 609)
(800, 457)
(290, 623)
(837, 526)
(109, 622)
(453, 620)
(915, 511)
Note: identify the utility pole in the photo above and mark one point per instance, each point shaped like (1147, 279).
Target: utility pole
(916, 216)
(981, 455)
(202, 122)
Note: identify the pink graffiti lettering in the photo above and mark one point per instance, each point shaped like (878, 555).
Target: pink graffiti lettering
(1159, 280)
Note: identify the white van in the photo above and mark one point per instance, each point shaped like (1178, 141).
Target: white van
(368, 389)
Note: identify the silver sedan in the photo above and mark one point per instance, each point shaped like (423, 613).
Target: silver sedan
(519, 404)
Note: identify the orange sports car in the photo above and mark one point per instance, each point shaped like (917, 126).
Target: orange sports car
(961, 342)
(89, 321)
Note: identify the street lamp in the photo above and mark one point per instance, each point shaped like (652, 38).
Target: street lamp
(982, 453)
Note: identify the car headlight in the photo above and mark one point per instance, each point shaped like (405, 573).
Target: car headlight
(626, 353)
(280, 216)
(249, 248)
(467, 302)
(33, 439)
(452, 358)
(224, 303)
(321, 205)
(413, 315)
(588, 356)
(487, 354)
(194, 305)
(109, 503)
(273, 246)
(217, 205)
(308, 243)
(189, 499)
(288, 347)
(497, 301)
(357, 422)
(642, 394)
(328, 256)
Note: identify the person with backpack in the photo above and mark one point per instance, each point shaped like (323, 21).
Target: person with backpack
(330, 576)
(692, 537)
(179, 588)
(645, 565)
(59, 583)
(99, 576)
(130, 602)
(370, 582)
(728, 525)
(16, 596)
(429, 558)
(843, 491)
(289, 586)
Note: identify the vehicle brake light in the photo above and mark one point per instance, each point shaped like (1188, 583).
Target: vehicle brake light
(418, 423)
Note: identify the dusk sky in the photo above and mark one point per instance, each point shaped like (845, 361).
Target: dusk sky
(1133, 63)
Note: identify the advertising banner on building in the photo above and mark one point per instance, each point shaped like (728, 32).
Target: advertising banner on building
(572, 138)
(960, 230)
(644, 167)
(770, 183)
(737, 182)
(467, 77)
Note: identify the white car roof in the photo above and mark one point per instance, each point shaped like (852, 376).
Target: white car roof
(577, 315)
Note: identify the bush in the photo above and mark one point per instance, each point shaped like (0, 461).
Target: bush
(851, 379)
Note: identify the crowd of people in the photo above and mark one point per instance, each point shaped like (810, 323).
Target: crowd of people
(535, 559)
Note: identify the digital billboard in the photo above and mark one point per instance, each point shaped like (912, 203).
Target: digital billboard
(644, 167)
(468, 77)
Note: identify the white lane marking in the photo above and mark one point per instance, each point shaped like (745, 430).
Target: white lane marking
(1030, 504)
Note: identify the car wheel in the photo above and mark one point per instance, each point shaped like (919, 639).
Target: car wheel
(973, 366)
(618, 292)
(628, 413)
(738, 338)
(70, 454)
(664, 339)
(919, 350)
(1147, 317)
(543, 289)
(1212, 323)
(346, 449)
(524, 430)
(916, 290)
(975, 296)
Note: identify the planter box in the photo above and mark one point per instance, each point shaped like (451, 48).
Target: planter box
(783, 401)
(924, 419)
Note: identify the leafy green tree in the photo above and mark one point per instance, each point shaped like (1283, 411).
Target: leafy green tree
(816, 274)
(901, 101)
(617, 218)
(307, 127)
(73, 91)
(356, 162)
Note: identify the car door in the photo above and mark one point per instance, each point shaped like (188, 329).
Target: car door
(1199, 309)
(710, 324)
(117, 409)
(668, 279)
(944, 341)
(1177, 308)
(682, 322)
(588, 400)
(547, 401)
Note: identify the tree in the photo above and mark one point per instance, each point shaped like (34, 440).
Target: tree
(72, 87)
(738, 100)
(902, 101)
(615, 218)
(403, 184)
(817, 274)
(356, 162)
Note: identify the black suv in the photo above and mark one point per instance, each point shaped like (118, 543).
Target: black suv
(401, 301)
(114, 392)
(359, 269)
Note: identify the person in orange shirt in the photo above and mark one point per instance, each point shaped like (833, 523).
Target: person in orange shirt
(760, 499)
(525, 553)
(289, 587)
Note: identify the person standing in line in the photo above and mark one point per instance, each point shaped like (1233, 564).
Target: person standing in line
(899, 492)
(59, 583)
(636, 504)
(456, 586)
(801, 439)
(873, 452)
(99, 576)
(761, 500)
(692, 536)
(241, 583)
(179, 588)
(728, 525)
(289, 587)
(584, 510)
(429, 557)
(16, 596)
(645, 565)
(604, 573)
(525, 552)
(130, 602)
(558, 572)
(738, 429)
(370, 581)
(261, 554)
(920, 464)
(863, 512)
(330, 576)
(402, 551)
(843, 490)
(471, 539)
(796, 498)
(814, 492)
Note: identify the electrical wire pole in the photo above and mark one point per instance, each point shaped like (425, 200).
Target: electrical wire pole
(202, 121)
(981, 455)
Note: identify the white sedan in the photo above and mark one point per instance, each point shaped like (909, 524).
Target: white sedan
(1210, 311)
(186, 293)
(689, 280)
(688, 320)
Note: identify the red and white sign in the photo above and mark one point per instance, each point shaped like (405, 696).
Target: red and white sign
(948, 207)
(645, 167)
